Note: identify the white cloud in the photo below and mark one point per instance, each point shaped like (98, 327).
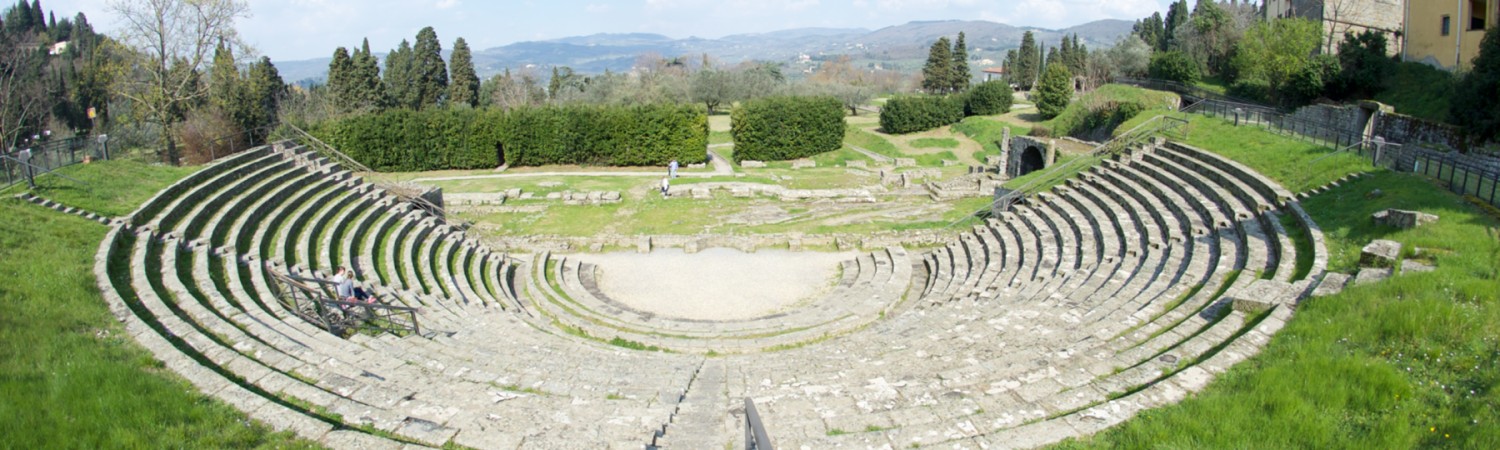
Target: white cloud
(445, 4)
(597, 8)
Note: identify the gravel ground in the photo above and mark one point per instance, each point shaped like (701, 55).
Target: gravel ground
(716, 283)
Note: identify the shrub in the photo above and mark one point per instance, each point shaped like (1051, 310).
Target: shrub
(206, 134)
(782, 128)
(1311, 82)
(911, 114)
(1362, 67)
(989, 98)
(437, 139)
(1252, 89)
(1054, 91)
(1175, 66)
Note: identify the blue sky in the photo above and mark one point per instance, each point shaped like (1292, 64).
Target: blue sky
(289, 30)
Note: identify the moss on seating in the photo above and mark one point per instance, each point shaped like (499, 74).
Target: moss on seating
(69, 376)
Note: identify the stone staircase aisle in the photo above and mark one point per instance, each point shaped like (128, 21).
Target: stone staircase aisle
(701, 420)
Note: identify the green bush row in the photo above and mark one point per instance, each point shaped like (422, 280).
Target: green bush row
(903, 115)
(782, 128)
(438, 139)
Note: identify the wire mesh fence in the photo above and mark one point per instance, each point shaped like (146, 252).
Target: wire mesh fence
(20, 164)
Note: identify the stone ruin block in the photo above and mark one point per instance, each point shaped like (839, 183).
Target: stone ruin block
(1380, 253)
(1414, 266)
(859, 164)
(804, 164)
(698, 166)
(1371, 274)
(1403, 219)
(1332, 283)
(701, 193)
(1262, 295)
(752, 164)
(906, 162)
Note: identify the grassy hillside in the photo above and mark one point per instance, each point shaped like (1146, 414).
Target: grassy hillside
(1409, 362)
(69, 376)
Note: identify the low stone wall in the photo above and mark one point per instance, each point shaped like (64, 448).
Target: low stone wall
(747, 243)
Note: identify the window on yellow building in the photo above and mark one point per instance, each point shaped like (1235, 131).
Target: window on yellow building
(1446, 21)
(1478, 11)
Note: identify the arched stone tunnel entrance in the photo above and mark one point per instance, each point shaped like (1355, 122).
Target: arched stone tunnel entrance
(1032, 160)
(1025, 154)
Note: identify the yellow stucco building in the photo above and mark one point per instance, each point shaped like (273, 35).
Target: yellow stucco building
(1446, 33)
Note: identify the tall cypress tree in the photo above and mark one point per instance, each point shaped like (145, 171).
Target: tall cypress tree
(939, 68)
(431, 74)
(399, 79)
(340, 80)
(1027, 65)
(1176, 16)
(368, 93)
(264, 89)
(960, 75)
(465, 87)
(224, 81)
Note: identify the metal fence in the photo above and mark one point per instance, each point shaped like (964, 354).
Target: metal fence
(47, 157)
(1461, 177)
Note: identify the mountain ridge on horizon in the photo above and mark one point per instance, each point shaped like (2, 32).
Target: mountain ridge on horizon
(895, 46)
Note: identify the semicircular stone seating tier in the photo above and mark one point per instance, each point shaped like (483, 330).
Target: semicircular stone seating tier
(1125, 289)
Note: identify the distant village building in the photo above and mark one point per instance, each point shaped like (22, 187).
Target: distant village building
(1346, 16)
(1446, 33)
(991, 73)
(58, 48)
(1441, 33)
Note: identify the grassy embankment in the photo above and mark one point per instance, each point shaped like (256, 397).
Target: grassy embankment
(1413, 361)
(69, 376)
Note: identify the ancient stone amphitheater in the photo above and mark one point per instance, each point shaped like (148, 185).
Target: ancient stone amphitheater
(1128, 288)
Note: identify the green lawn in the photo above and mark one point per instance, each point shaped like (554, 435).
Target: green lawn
(934, 143)
(112, 188)
(69, 376)
(988, 133)
(1410, 362)
(1298, 165)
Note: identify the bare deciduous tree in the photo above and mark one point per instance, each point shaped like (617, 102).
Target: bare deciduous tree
(174, 40)
(24, 100)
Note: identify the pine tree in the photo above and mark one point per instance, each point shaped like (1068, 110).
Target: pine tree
(960, 70)
(1027, 66)
(465, 87)
(399, 79)
(1054, 91)
(939, 68)
(431, 74)
(1052, 57)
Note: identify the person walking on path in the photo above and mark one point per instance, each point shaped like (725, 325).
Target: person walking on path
(666, 185)
(672, 169)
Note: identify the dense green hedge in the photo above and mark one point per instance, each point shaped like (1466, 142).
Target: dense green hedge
(782, 128)
(911, 114)
(436, 139)
(989, 98)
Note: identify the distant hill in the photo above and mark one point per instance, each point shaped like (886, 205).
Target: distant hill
(899, 45)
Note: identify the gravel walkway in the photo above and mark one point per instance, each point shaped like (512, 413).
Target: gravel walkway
(716, 283)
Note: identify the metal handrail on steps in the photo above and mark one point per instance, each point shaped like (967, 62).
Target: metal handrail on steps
(401, 191)
(755, 430)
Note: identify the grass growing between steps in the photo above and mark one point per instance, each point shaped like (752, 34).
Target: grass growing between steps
(1413, 361)
(115, 188)
(69, 376)
(1298, 165)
